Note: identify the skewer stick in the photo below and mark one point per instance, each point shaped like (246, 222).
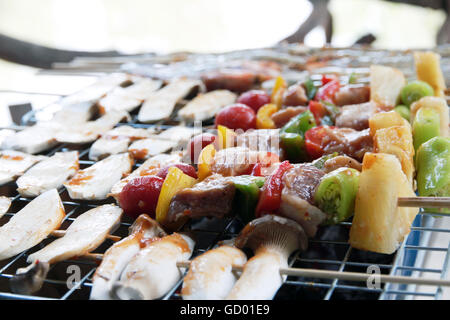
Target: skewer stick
(326, 274)
(424, 202)
(61, 233)
(345, 275)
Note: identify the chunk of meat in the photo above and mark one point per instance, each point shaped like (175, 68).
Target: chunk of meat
(341, 161)
(212, 197)
(240, 76)
(356, 116)
(295, 95)
(229, 79)
(281, 117)
(260, 140)
(300, 184)
(347, 141)
(352, 95)
(238, 161)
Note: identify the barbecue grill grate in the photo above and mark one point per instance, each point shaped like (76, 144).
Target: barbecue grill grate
(329, 250)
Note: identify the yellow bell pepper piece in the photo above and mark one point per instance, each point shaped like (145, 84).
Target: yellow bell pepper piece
(277, 92)
(226, 137)
(204, 161)
(263, 120)
(175, 181)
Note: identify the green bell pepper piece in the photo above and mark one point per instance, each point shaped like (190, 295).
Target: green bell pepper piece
(246, 196)
(320, 163)
(293, 133)
(336, 194)
(426, 126)
(300, 123)
(310, 88)
(403, 111)
(294, 146)
(415, 90)
(433, 170)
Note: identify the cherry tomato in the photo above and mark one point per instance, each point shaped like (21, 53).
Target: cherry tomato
(255, 99)
(140, 195)
(186, 168)
(313, 141)
(237, 116)
(197, 144)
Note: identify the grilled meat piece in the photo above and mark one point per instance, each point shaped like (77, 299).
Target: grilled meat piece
(281, 117)
(347, 141)
(356, 116)
(238, 161)
(341, 161)
(240, 76)
(229, 79)
(212, 197)
(352, 95)
(297, 198)
(295, 95)
(260, 140)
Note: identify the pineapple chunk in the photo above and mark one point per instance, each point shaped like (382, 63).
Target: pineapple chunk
(385, 85)
(379, 225)
(398, 141)
(385, 120)
(438, 104)
(428, 69)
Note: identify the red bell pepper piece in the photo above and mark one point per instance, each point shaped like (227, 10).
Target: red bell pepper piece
(326, 92)
(318, 110)
(328, 78)
(256, 170)
(313, 141)
(270, 198)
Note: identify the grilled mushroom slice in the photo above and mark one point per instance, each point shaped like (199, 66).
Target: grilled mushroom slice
(14, 163)
(31, 140)
(5, 203)
(210, 275)
(32, 224)
(48, 174)
(153, 271)
(273, 239)
(96, 181)
(84, 235)
(119, 255)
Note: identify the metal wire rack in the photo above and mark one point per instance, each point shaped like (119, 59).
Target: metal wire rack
(329, 250)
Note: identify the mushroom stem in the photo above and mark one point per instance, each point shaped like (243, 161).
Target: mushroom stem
(116, 258)
(29, 279)
(273, 239)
